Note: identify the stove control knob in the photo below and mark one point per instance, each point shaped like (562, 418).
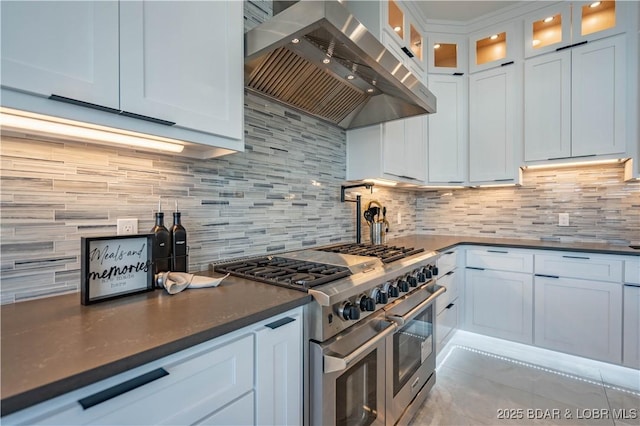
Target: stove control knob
(422, 277)
(348, 311)
(403, 286)
(366, 303)
(434, 270)
(427, 272)
(393, 291)
(413, 281)
(383, 297)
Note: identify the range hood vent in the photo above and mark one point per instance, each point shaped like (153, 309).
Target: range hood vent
(317, 58)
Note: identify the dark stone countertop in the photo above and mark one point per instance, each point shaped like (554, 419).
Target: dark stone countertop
(444, 242)
(55, 345)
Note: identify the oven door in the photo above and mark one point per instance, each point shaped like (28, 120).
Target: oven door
(347, 376)
(411, 354)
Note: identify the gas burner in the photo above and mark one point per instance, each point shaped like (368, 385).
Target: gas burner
(386, 253)
(292, 273)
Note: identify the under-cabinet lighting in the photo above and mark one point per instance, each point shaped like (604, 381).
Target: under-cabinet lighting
(382, 182)
(595, 4)
(574, 164)
(43, 125)
(496, 185)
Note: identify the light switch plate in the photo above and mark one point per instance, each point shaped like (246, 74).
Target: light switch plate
(127, 226)
(563, 219)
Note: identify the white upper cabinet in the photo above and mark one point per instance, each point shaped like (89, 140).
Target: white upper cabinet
(495, 111)
(575, 102)
(447, 131)
(171, 69)
(565, 24)
(176, 63)
(395, 151)
(494, 46)
(446, 54)
(68, 49)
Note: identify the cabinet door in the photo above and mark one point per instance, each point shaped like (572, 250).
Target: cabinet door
(66, 48)
(493, 47)
(447, 133)
(446, 54)
(499, 304)
(415, 155)
(182, 62)
(547, 29)
(239, 412)
(393, 148)
(598, 75)
(547, 106)
(493, 121)
(279, 372)
(579, 317)
(594, 20)
(631, 327)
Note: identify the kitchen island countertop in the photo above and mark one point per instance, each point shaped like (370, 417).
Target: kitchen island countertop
(55, 345)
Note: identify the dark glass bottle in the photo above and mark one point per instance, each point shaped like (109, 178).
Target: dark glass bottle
(178, 245)
(161, 245)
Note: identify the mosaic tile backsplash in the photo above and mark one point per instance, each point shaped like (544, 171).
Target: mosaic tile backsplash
(281, 194)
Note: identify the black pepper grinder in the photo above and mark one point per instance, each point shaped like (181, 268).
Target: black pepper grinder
(178, 244)
(161, 244)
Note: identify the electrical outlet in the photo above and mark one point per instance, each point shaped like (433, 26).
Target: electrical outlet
(127, 226)
(563, 219)
(399, 218)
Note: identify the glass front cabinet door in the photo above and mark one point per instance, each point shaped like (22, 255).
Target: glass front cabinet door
(447, 54)
(566, 24)
(494, 47)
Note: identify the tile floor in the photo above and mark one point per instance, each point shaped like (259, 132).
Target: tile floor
(486, 381)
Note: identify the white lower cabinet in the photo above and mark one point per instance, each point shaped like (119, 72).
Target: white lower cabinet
(249, 376)
(631, 327)
(279, 371)
(448, 304)
(499, 304)
(580, 317)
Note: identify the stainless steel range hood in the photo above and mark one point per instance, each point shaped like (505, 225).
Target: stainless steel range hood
(315, 56)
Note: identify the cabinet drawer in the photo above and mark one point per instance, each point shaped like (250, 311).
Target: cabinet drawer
(447, 261)
(194, 388)
(446, 322)
(632, 271)
(500, 259)
(450, 281)
(579, 265)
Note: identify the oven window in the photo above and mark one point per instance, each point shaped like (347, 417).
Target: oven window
(356, 393)
(412, 344)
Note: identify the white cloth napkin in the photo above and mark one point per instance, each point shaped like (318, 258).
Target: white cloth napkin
(175, 282)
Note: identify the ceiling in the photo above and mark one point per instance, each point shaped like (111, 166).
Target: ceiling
(454, 10)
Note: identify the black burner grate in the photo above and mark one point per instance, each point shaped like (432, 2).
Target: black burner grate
(298, 274)
(386, 253)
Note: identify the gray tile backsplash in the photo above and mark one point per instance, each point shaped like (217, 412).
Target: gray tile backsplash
(281, 194)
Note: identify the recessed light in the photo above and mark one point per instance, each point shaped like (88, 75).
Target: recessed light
(595, 4)
(397, 29)
(547, 20)
(436, 46)
(535, 42)
(493, 37)
(369, 90)
(326, 60)
(350, 77)
(295, 41)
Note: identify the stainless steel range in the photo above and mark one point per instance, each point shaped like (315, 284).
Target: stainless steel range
(371, 352)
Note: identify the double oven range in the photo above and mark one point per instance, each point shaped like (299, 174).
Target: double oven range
(370, 356)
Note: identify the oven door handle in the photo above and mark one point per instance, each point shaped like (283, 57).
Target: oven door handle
(335, 363)
(401, 320)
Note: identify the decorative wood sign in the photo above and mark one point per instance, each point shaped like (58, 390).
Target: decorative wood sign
(115, 266)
